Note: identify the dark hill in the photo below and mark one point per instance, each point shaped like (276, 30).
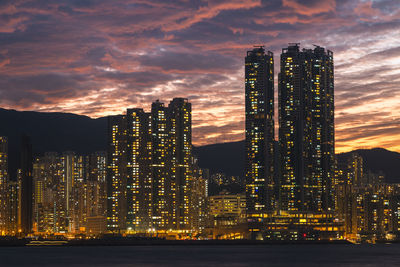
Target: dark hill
(69, 132)
(51, 132)
(227, 158)
(378, 159)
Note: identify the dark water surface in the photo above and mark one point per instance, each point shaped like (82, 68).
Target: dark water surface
(261, 255)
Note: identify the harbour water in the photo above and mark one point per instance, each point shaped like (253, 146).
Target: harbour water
(257, 255)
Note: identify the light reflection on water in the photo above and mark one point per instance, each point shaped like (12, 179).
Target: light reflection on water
(260, 255)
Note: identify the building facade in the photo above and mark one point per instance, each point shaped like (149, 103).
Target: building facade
(67, 190)
(180, 131)
(150, 167)
(116, 173)
(3, 185)
(369, 212)
(259, 139)
(139, 179)
(26, 187)
(306, 129)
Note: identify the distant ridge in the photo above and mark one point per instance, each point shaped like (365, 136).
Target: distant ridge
(51, 132)
(378, 159)
(229, 158)
(61, 132)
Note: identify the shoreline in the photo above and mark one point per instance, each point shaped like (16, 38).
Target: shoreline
(159, 242)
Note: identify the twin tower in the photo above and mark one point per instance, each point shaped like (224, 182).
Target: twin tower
(294, 174)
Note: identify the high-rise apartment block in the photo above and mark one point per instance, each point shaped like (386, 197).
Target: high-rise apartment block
(68, 189)
(306, 129)
(139, 193)
(180, 127)
(369, 212)
(259, 165)
(3, 185)
(96, 184)
(147, 181)
(198, 198)
(116, 173)
(289, 179)
(26, 187)
(12, 208)
(149, 169)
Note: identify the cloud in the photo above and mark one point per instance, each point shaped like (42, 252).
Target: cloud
(310, 7)
(100, 57)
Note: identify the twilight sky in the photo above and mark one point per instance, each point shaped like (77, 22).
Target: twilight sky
(98, 57)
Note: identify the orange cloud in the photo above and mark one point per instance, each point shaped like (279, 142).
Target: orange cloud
(99, 58)
(316, 8)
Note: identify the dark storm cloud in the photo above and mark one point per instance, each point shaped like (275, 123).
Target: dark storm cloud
(43, 88)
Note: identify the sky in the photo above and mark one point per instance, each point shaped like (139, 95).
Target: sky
(98, 57)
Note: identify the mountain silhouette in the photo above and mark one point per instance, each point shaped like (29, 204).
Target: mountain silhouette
(56, 132)
(61, 132)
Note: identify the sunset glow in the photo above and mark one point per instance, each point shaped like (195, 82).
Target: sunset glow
(98, 58)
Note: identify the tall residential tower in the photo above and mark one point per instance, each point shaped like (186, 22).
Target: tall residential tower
(116, 173)
(26, 187)
(180, 128)
(3, 184)
(150, 168)
(259, 166)
(306, 129)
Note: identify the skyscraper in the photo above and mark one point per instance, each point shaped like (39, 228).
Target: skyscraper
(180, 131)
(259, 98)
(68, 180)
(38, 176)
(96, 182)
(26, 196)
(12, 207)
(67, 190)
(139, 176)
(306, 128)
(198, 198)
(161, 167)
(3, 185)
(116, 173)
(149, 168)
(50, 214)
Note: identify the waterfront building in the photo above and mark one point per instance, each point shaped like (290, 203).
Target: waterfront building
(302, 226)
(116, 173)
(12, 207)
(161, 168)
(369, 212)
(38, 195)
(68, 189)
(26, 187)
(139, 175)
(96, 184)
(180, 150)
(227, 209)
(259, 135)
(306, 129)
(3, 185)
(149, 167)
(96, 225)
(198, 207)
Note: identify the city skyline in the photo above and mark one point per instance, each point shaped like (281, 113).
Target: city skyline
(150, 185)
(195, 50)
